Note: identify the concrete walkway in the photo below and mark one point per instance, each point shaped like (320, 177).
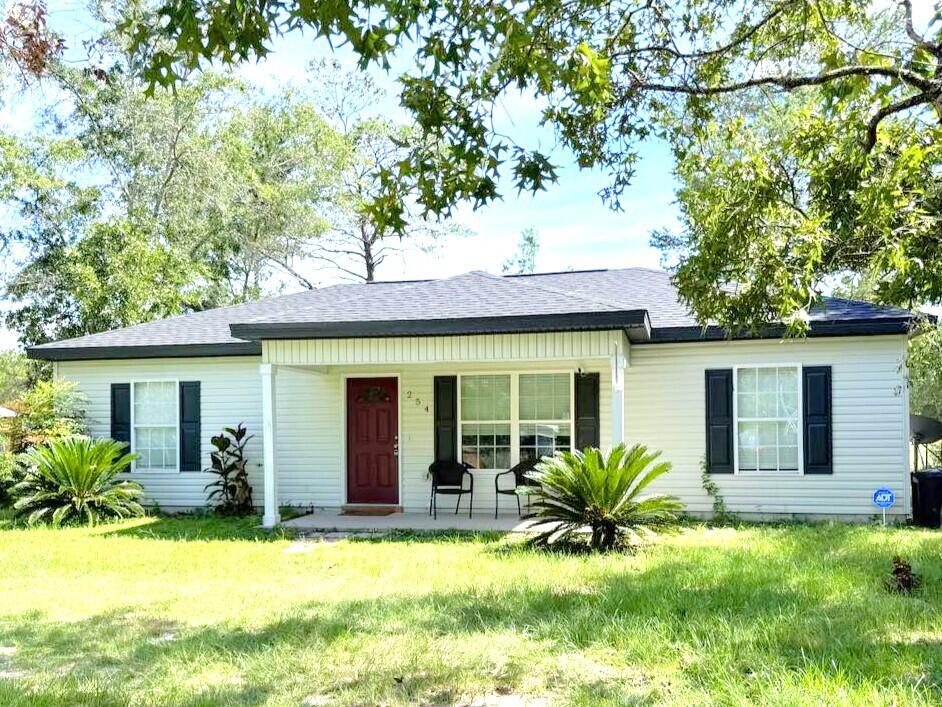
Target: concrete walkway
(332, 520)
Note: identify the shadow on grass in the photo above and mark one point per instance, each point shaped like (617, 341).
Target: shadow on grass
(427, 536)
(713, 613)
(201, 527)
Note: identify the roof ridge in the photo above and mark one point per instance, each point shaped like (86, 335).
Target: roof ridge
(564, 293)
(656, 271)
(358, 294)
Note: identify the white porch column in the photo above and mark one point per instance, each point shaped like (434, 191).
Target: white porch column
(269, 425)
(619, 363)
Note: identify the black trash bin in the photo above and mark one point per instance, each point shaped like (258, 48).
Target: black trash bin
(927, 498)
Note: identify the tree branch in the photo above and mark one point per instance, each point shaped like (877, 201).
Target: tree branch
(295, 274)
(789, 82)
(749, 33)
(918, 39)
(887, 111)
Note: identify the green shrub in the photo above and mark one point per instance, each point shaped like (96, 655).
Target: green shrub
(601, 492)
(72, 481)
(48, 410)
(231, 492)
(11, 472)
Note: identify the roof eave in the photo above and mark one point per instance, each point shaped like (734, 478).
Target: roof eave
(583, 321)
(97, 353)
(849, 327)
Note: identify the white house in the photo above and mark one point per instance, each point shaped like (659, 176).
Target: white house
(352, 390)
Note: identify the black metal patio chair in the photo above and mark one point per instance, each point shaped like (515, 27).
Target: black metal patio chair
(448, 479)
(520, 481)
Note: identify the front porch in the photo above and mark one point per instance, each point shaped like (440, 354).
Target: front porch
(360, 421)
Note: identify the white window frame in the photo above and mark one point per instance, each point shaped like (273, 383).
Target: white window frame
(515, 409)
(572, 406)
(176, 399)
(800, 471)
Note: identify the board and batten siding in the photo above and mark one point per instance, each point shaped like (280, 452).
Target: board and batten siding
(444, 349)
(664, 408)
(231, 392)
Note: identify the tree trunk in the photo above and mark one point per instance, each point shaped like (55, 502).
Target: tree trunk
(369, 258)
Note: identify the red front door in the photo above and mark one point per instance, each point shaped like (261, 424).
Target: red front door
(372, 440)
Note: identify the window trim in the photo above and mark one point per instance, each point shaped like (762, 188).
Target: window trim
(800, 471)
(176, 399)
(572, 411)
(515, 408)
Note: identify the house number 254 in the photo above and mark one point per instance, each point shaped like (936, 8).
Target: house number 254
(417, 399)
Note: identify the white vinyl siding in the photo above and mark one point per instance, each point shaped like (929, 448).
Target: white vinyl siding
(230, 392)
(664, 408)
(311, 429)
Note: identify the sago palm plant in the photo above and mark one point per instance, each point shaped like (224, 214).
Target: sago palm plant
(601, 492)
(71, 480)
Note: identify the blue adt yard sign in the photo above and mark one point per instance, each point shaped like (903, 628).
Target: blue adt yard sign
(884, 498)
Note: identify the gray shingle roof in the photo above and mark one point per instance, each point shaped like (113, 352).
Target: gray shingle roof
(468, 303)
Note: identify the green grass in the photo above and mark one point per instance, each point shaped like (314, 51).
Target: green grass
(207, 611)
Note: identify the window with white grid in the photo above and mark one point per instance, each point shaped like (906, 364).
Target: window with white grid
(545, 403)
(485, 421)
(155, 422)
(768, 418)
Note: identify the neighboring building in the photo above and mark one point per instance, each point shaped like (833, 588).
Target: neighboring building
(352, 390)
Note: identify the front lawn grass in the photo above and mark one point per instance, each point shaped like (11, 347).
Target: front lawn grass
(177, 611)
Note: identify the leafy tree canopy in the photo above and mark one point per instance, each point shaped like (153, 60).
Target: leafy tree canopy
(855, 187)
(776, 206)
(15, 375)
(129, 208)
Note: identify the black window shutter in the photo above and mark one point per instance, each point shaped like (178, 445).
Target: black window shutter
(190, 426)
(587, 410)
(719, 421)
(816, 381)
(121, 412)
(446, 418)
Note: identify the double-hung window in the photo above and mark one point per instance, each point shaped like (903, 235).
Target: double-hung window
(511, 417)
(155, 419)
(768, 418)
(545, 414)
(485, 421)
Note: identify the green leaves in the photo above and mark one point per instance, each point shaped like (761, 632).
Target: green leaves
(50, 409)
(793, 200)
(230, 492)
(71, 480)
(601, 492)
(924, 366)
(776, 206)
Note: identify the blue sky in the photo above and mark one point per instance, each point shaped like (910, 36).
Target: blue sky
(576, 230)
